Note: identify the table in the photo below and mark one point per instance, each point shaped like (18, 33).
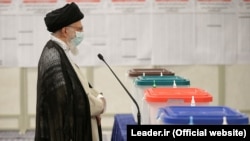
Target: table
(119, 132)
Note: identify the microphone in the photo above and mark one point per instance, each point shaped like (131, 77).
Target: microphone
(138, 113)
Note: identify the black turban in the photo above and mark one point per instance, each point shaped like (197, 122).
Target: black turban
(62, 17)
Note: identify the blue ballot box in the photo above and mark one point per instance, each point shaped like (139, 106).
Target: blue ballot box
(201, 115)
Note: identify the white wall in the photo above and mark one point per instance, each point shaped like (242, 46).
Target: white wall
(229, 86)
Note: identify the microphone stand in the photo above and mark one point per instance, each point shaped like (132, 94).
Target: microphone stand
(138, 113)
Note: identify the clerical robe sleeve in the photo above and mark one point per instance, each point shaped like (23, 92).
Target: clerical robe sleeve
(97, 106)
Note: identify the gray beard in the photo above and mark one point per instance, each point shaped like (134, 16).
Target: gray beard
(74, 50)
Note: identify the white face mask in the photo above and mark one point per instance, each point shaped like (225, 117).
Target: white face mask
(77, 39)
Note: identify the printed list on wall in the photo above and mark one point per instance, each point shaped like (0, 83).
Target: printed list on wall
(133, 32)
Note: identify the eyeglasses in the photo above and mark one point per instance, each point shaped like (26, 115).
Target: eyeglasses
(76, 28)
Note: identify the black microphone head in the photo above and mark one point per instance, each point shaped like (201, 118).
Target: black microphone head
(100, 57)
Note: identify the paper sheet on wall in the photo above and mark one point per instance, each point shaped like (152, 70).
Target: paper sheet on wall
(215, 39)
(134, 32)
(216, 24)
(173, 32)
(31, 40)
(144, 37)
(8, 7)
(8, 34)
(125, 39)
(32, 32)
(243, 32)
(37, 7)
(8, 41)
(173, 39)
(123, 42)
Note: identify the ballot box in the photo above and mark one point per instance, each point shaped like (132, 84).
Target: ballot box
(201, 115)
(135, 72)
(132, 74)
(156, 98)
(143, 82)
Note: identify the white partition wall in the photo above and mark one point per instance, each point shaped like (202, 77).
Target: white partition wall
(10, 98)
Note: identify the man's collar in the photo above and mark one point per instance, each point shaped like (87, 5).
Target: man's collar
(60, 42)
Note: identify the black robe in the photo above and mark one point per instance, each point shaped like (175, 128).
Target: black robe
(62, 110)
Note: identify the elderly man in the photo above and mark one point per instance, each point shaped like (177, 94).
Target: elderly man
(68, 108)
